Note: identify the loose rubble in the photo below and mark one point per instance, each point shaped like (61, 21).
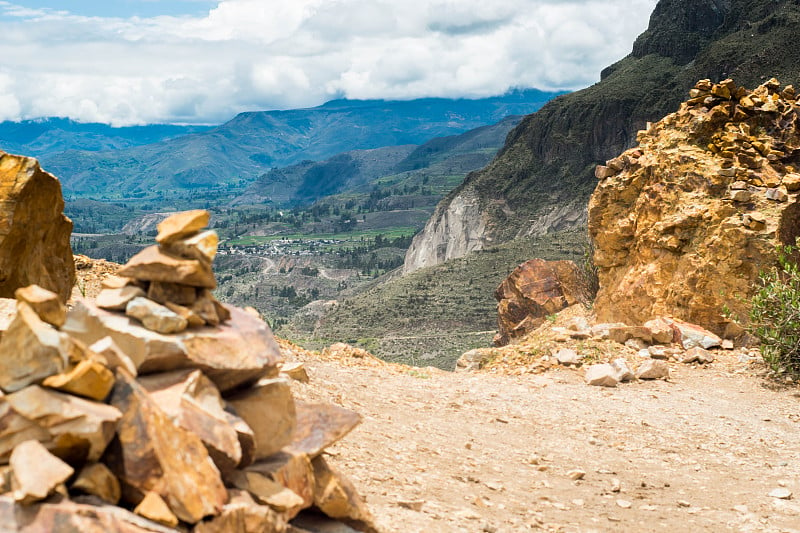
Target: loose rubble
(134, 418)
(610, 353)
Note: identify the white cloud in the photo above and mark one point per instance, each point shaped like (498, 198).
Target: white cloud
(266, 54)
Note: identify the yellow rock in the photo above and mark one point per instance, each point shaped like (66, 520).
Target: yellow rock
(113, 355)
(88, 378)
(96, 479)
(152, 264)
(32, 350)
(268, 408)
(243, 515)
(668, 239)
(34, 233)
(202, 246)
(163, 292)
(46, 304)
(192, 318)
(118, 299)
(194, 403)
(151, 453)
(269, 492)
(292, 470)
(116, 282)
(35, 472)
(15, 428)
(295, 370)
(336, 496)
(182, 225)
(155, 508)
(791, 182)
(79, 429)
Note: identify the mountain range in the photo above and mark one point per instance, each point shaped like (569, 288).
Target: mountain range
(356, 171)
(115, 163)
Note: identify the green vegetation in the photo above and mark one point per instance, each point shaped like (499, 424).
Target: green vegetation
(775, 314)
(431, 316)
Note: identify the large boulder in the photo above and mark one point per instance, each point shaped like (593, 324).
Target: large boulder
(533, 291)
(34, 233)
(683, 224)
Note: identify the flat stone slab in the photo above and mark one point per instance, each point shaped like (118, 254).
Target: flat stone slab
(239, 351)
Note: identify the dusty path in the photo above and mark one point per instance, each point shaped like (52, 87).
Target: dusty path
(453, 452)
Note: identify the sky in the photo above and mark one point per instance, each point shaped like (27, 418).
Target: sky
(130, 62)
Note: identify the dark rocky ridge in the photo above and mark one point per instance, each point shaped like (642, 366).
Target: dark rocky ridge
(541, 180)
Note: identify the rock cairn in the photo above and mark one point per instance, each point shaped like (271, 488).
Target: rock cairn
(683, 224)
(167, 287)
(164, 411)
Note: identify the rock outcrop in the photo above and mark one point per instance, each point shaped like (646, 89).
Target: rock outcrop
(683, 223)
(456, 229)
(107, 425)
(34, 233)
(532, 292)
(543, 177)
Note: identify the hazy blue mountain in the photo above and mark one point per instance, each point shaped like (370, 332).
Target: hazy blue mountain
(252, 143)
(355, 172)
(51, 135)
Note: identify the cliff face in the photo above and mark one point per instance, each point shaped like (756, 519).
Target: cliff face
(684, 223)
(542, 179)
(457, 230)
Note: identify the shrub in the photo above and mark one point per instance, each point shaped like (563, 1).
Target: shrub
(775, 314)
(589, 271)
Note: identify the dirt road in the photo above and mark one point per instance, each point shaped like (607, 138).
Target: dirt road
(478, 452)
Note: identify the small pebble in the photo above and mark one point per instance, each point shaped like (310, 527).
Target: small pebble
(576, 474)
(625, 504)
(782, 493)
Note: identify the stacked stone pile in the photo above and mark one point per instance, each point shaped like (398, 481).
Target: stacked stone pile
(165, 411)
(167, 287)
(683, 224)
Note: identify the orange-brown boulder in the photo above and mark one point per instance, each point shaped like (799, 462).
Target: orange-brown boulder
(194, 403)
(336, 497)
(320, 425)
(34, 233)
(534, 290)
(243, 515)
(151, 453)
(671, 236)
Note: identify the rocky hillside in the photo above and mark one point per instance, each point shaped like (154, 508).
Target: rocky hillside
(542, 179)
(431, 316)
(684, 223)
